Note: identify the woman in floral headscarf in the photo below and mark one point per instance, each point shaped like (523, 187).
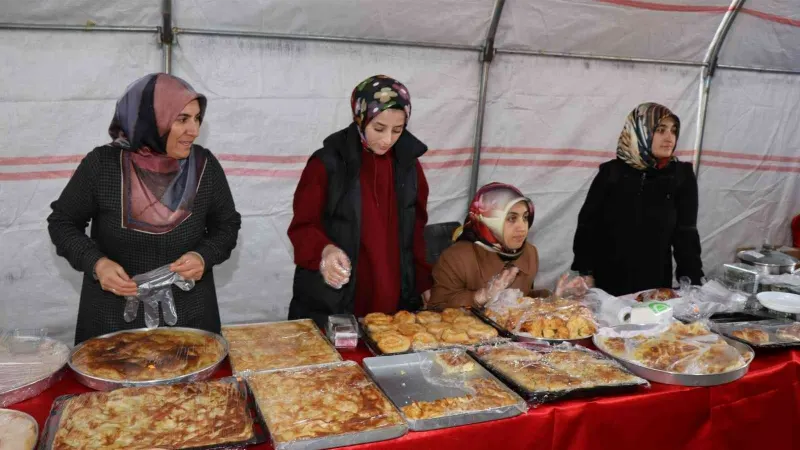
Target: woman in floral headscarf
(360, 211)
(641, 207)
(154, 198)
(492, 252)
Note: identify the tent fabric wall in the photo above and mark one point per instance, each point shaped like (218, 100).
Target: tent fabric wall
(548, 121)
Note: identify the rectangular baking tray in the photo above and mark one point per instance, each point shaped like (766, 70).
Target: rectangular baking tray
(373, 346)
(549, 396)
(404, 380)
(239, 325)
(726, 329)
(341, 440)
(259, 433)
(524, 337)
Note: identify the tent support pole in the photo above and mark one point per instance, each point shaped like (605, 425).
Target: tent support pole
(87, 27)
(709, 66)
(487, 54)
(167, 35)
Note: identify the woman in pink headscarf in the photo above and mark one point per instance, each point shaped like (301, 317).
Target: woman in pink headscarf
(491, 253)
(154, 198)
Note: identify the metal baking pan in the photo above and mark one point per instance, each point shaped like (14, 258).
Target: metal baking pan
(39, 383)
(26, 417)
(102, 384)
(259, 433)
(549, 396)
(375, 350)
(404, 380)
(681, 379)
(315, 328)
(340, 440)
(524, 337)
(770, 326)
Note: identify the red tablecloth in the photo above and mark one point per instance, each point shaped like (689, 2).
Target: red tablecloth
(759, 411)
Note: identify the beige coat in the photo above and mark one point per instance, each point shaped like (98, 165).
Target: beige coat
(465, 267)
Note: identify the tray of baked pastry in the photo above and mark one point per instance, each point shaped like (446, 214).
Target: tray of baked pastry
(324, 406)
(203, 415)
(277, 345)
(771, 333)
(443, 388)
(406, 332)
(542, 373)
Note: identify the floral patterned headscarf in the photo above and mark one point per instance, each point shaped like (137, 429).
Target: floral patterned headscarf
(635, 145)
(487, 215)
(375, 95)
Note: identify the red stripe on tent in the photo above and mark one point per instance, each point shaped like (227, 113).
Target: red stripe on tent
(41, 175)
(39, 160)
(275, 159)
(266, 173)
(771, 17)
(666, 6)
(721, 154)
(510, 162)
(759, 168)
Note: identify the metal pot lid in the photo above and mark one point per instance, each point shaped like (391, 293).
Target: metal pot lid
(766, 258)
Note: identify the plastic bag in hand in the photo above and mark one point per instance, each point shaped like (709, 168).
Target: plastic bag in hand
(154, 288)
(496, 285)
(572, 286)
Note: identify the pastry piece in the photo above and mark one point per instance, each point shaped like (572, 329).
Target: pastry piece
(454, 362)
(17, 430)
(452, 336)
(410, 329)
(753, 335)
(377, 318)
(404, 317)
(393, 343)
(451, 314)
(438, 328)
(660, 295)
(689, 330)
(381, 327)
(428, 317)
(487, 395)
(467, 320)
(482, 332)
(789, 333)
(423, 340)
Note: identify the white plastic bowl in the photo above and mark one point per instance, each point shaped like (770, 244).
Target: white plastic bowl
(780, 301)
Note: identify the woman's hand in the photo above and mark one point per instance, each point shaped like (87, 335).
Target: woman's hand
(335, 266)
(190, 266)
(112, 278)
(497, 284)
(426, 298)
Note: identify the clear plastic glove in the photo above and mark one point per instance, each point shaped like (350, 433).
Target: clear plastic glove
(335, 267)
(496, 285)
(154, 289)
(572, 286)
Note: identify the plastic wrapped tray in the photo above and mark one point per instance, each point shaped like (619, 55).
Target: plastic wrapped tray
(113, 354)
(478, 322)
(313, 393)
(238, 405)
(769, 329)
(18, 431)
(668, 376)
(525, 337)
(29, 364)
(277, 345)
(418, 377)
(567, 368)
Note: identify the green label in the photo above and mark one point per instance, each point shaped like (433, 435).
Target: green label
(658, 307)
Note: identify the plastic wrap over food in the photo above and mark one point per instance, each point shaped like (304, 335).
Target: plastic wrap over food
(211, 414)
(148, 356)
(674, 347)
(18, 431)
(277, 345)
(551, 318)
(698, 303)
(30, 362)
(543, 373)
(763, 333)
(425, 330)
(324, 406)
(154, 289)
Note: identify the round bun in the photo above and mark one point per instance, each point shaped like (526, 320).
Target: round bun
(393, 343)
(404, 317)
(426, 317)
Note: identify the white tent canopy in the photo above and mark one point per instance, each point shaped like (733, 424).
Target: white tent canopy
(542, 87)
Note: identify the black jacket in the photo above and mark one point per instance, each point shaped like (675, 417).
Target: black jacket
(341, 155)
(93, 194)
(631, 223)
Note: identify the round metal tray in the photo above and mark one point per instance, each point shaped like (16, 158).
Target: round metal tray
(681, 379)
(27, 417)
(38, 385)
(103, 384)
